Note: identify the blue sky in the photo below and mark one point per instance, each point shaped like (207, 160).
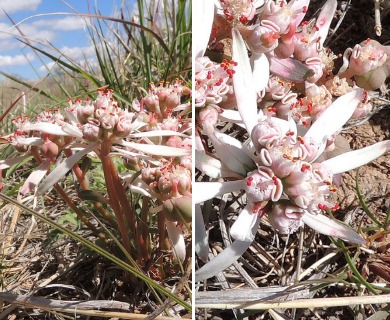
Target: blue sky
(66, 32)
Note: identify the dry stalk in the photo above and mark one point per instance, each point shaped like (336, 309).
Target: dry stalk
(89, 308)
(301, 303)
(378, 25)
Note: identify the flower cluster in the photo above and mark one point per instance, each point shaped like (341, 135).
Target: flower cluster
(153, 140)
(103, 119)
(293, 103)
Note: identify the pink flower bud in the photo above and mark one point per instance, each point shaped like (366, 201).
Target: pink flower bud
(178, 209)
(148, 175)
(208, 118)
(164, 185)
(283, 158)
(285, 217)
(263, 185)
(174, 141)
(123, 127)
(366, 57)
(91, 131)
(152, 102)
(266, 134)
(49, 149)
(182, 178)
(85, 112)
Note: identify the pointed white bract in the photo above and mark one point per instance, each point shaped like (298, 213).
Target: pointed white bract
(157, 150)
(47, 127)
(354, 159)
(60, 171)
(177, 239)
(324, 19)
(334, 117)
(243, 228)
(35, 177)
(203, 17)
(222, 261)
(213, 167)
(259, 64)
(6, 163)
(331, 228)
(208, 190)
(201, 237)
(232, 153)
(243, 83)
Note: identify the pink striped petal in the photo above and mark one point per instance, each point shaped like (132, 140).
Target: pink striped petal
(324, 19)
(290, 69)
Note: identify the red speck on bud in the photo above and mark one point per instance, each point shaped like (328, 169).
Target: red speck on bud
(290, 133)
(335, 207)
(275, 180)
(249, 181)
(300, 139)
(367, 40)
(243, 19)
(271, 109)
(304, 9)
(365, 96)
(305, 167)
(322, 206)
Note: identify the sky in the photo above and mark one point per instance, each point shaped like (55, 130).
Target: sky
(67, 33)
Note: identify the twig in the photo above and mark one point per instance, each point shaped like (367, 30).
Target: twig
(91, 308)
(378, 25)
(302, 303)
(329, 38)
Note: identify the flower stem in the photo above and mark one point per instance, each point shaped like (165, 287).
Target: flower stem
(144, 231)
(112, 193)
(85, 186)
(71, 203)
